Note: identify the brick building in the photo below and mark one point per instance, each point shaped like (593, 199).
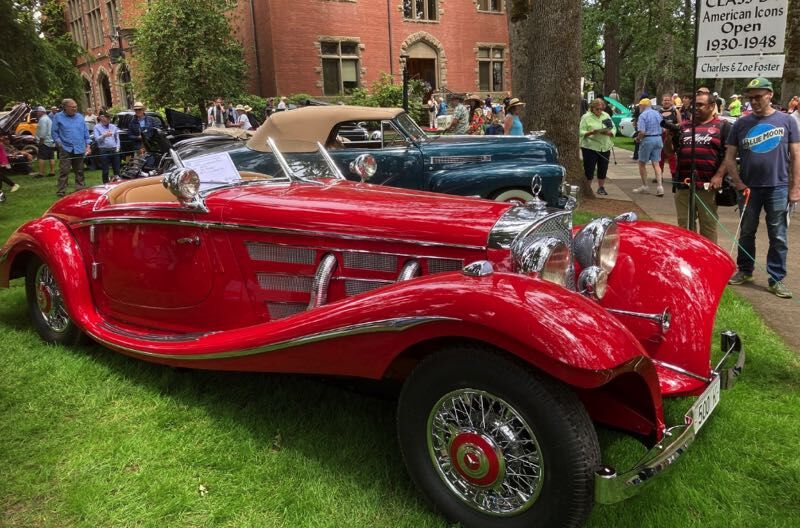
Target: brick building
(321, 47)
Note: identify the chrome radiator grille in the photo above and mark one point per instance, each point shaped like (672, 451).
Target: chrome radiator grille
(285, 283)
(279, 310)
(446, 160)
(370, 261)
(439, 265)
(356, 286)
(286, 254)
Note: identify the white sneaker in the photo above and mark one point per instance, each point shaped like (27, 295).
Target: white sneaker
(641, 190)
(660, 191)
(14, 188)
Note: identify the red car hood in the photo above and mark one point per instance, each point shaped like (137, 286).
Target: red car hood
(356, 209)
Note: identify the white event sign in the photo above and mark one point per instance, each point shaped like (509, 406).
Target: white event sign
(741, 38)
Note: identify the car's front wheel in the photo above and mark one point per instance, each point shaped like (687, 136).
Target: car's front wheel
(46, 306)
(515, 196)
(493, 444)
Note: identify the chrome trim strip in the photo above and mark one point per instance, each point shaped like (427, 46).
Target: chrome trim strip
(261, 229)
(339, 249)
(322, 279)
(385, 325)
(681, 370)
(162, 338)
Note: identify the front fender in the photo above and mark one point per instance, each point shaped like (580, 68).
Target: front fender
(667, 267)
(488, 179)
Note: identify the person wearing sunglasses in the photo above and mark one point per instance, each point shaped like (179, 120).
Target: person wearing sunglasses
(768, 144)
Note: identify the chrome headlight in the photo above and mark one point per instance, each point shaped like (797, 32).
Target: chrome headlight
(183, 183)
(597, 244)
(549, 257)
(365, 166)
(593, 282)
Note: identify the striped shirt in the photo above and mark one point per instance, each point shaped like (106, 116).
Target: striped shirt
(709, 149)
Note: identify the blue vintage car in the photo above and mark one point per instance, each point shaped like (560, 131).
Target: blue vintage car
(395, 151)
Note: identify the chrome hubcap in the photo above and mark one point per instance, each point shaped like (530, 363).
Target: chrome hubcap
(49, 301)
(485, 452)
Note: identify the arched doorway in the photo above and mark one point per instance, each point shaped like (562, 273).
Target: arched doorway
(105, 90)
(423, 63)
(87, 94)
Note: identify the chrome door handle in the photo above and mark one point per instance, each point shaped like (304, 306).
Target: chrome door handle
(190, 240)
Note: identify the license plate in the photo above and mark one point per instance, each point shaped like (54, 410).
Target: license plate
(705, 405)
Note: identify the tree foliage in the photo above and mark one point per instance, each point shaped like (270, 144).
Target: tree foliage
(37, 59)
(186, 53)
(384, 92)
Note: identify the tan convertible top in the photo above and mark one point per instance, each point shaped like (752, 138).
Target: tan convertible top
(299, 130)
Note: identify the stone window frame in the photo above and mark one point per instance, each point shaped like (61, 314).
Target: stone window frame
(438, 10)
(360, 71)
(478, 60)
(423, 36)
(501, 11)
(95, 21)
(75, 22)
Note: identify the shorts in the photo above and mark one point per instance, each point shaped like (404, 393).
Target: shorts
(45, 152)
(650, 149)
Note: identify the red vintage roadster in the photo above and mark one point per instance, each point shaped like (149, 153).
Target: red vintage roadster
(511, 330)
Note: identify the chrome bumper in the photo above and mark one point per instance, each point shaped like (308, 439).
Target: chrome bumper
(611, 487)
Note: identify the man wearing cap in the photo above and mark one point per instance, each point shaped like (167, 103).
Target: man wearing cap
(107, 137)
(720, 102)
(44, 133)
(768, 144)
(650, 145)
(71, 138)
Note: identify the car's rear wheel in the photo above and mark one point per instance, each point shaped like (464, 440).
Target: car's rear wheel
(515, 196)
(46, 306)
(495, 445)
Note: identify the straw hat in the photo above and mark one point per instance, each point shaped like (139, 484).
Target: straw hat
(248, 108)
(515, 102)
(240, 107)
(137, 105)
(472, 97)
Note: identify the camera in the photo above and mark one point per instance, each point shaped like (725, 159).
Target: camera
(608, 123)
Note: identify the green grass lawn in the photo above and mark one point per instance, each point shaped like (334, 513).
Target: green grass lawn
(622, 142)
(91, 438)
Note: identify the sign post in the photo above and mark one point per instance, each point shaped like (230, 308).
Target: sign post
(736, 39)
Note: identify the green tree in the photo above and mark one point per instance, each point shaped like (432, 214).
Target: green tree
(186, 53)
(37, 59)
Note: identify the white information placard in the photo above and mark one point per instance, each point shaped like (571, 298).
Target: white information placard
(744, 66)
(741, 27)
(214, 169)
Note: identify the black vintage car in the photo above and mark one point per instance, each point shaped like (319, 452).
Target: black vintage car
(177, 126)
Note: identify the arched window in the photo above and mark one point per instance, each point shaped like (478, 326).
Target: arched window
(105, 90)
(87, 94)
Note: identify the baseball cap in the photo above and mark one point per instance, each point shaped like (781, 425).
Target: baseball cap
(644, 101)
(759, 83)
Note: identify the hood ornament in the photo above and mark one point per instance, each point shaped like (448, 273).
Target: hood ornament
(536, 187)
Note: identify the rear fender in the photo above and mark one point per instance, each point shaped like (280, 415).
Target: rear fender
(488, 179)
(666, 267)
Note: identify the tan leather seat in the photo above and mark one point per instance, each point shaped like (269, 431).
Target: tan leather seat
(254, 176)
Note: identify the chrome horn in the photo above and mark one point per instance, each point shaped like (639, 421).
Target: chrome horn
(663, 319)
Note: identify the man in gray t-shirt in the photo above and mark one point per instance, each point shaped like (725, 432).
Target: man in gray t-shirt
(768, 143)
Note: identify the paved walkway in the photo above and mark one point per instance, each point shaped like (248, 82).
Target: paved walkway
(783, 315)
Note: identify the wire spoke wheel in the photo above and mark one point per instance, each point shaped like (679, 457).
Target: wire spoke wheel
(485, 452)
(50, 301)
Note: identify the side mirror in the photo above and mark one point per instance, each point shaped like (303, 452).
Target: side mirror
(364, 167)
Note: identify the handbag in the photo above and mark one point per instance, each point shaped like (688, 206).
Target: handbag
(727, 195)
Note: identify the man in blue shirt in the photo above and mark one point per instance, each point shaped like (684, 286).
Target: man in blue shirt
(768, 145)
(107, 137)
(71, 138)
(142, 127)
(650, 145)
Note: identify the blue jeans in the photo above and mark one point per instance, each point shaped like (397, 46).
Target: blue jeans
(109, 157)
(773, 200)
